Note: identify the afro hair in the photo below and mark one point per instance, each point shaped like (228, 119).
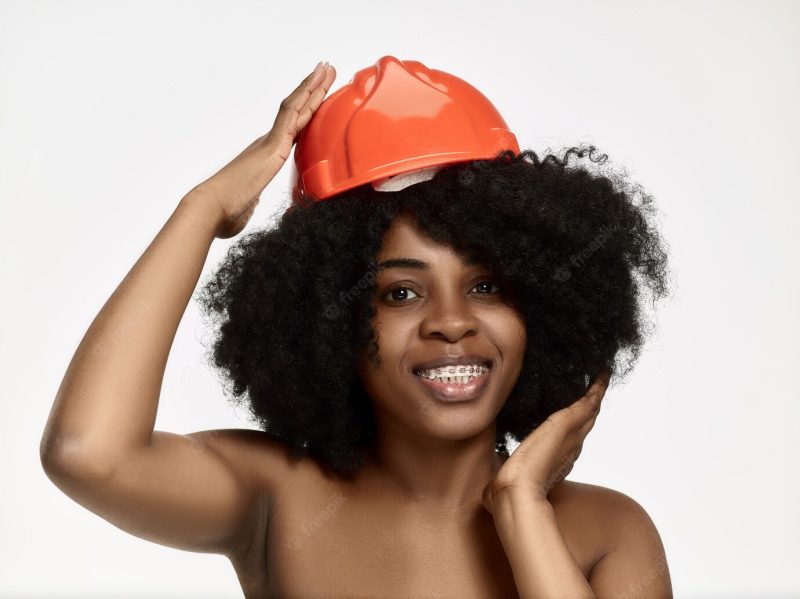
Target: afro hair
(574, 242)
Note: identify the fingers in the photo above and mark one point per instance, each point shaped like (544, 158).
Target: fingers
(302, 92)
(596, 391)
(294, 106)
(590, 404)
(599, 384)
(579, 417)
(587, 426)
(316, 97)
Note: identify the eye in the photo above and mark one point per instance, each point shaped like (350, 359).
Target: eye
(389, 293)
(490, 283)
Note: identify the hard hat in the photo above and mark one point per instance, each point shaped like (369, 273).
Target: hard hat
(392, 125)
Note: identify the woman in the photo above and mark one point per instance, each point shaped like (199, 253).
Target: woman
(376, 473)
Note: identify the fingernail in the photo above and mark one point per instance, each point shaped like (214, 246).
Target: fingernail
(316, 68)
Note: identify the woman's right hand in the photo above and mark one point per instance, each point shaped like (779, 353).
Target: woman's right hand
(234, 191)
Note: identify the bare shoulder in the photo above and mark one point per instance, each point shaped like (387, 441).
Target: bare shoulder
(586, 515)
(628, 551)
(605, 511)
(600, 500)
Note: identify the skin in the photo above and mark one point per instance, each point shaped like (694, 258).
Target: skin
(434, 513)
(433, 452)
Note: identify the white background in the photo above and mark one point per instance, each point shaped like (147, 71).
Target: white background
(110, 112)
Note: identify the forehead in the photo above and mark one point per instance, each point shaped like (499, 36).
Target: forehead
(405, 246)
(404, 239)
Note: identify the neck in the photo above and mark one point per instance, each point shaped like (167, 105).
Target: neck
(440, 473)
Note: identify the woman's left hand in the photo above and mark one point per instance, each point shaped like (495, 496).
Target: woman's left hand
(547, 455)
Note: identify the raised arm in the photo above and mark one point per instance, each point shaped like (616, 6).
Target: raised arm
(198, 492)
(99, 445)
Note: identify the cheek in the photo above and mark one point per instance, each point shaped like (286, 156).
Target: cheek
(379, 373)
(523, 337)
(393, 335)
(511, 337)
(517, 329)
(507, 327)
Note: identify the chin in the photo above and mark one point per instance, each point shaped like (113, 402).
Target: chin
(456, 424)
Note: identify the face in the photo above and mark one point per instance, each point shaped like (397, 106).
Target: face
(447, 308)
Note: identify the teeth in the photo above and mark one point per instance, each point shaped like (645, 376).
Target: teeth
(460, 380)
(459, 373)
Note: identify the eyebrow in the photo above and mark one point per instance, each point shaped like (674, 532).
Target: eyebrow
(414, 263)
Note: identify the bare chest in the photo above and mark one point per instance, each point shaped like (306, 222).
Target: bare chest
(324, 540)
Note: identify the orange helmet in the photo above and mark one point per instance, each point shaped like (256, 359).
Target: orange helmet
(394, 124)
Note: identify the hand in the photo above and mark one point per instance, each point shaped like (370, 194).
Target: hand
(234, 191)
(547, 455)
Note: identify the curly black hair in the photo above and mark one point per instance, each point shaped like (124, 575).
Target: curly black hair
(293, 303)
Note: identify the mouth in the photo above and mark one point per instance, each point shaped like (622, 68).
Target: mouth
(455, 383)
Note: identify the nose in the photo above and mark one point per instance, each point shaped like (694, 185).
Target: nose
(449, 318)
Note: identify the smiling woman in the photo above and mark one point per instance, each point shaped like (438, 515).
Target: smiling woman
(449, 321)
(339, 381)
(388, 345)
(433, 280)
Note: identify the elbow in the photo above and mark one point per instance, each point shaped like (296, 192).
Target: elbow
(63, 460)
(48, 454)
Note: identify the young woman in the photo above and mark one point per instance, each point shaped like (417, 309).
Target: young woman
(388, 345)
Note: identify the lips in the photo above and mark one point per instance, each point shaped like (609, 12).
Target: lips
(462, 359)
(455, 392)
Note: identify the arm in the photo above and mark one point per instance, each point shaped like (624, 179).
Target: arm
(205, 491)
(108, 399)
(99, 446)
(635, 564)
(535, 547)
(517, 497)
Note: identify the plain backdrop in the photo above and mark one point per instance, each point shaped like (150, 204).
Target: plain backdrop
(111, 111)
